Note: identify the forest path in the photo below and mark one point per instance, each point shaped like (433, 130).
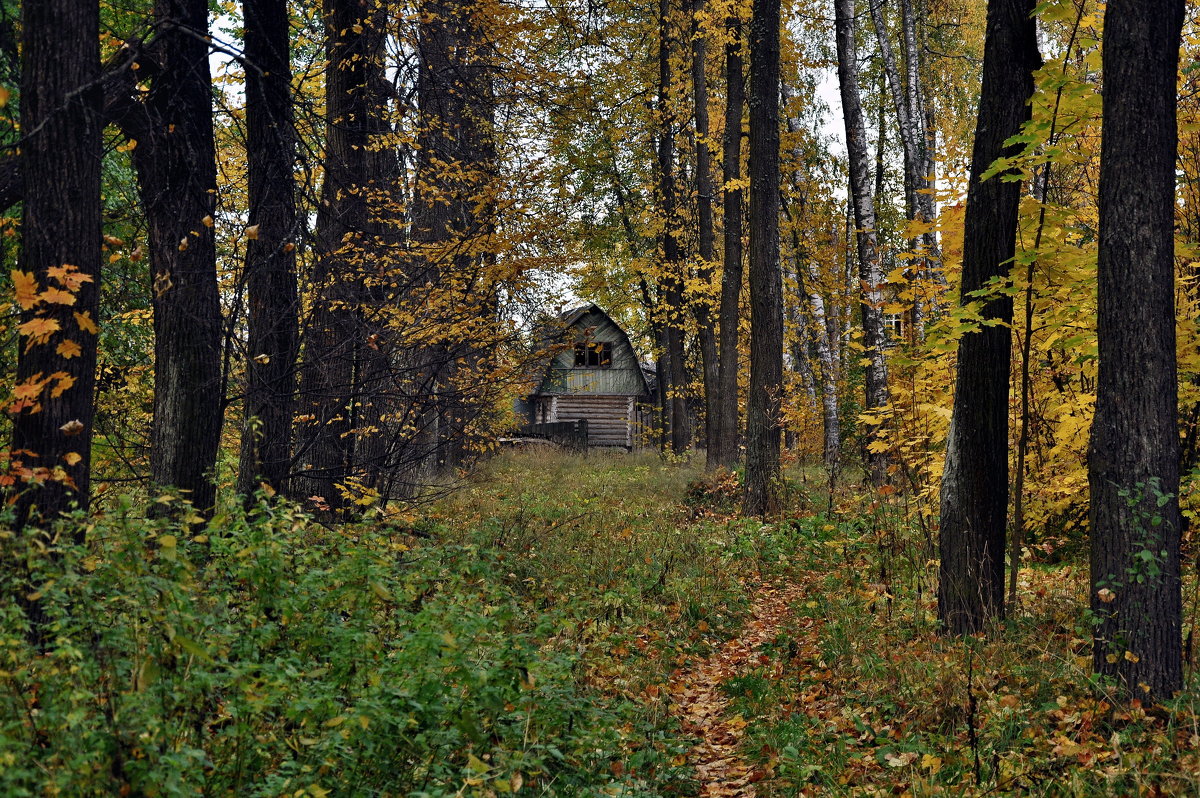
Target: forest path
(702, 707)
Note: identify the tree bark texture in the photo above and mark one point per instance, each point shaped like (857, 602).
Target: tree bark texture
(671, 279)
(454, 212)
(1133, 461)
(175, 158)
(271, 257)
(706, 335)
(329, 383)
(870, 264)
(726, 406)
(974, 498)
(766, 288)
(60, 227)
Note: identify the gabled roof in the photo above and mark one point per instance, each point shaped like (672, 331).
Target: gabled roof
(558, 329)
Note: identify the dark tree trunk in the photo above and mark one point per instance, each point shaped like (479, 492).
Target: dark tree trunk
(671, 280)
(870, 264)
(1133, 462)
(725, 408)
(60, 228)
(329, 394)
(706, 335)
(176, 164)
(271, 257)
(974, 500)
(453, 211)
(766, 289)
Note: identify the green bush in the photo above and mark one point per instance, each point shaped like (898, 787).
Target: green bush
(273, 656)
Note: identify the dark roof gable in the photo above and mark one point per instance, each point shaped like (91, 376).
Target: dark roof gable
(568, 319)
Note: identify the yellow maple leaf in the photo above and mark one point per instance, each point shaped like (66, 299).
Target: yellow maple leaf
(84, 320)
(31, 388)
(27, 289)
(69, 349)
(57, 296)
(39, 330)
(72, 458)
(69, 276)
(64, 381)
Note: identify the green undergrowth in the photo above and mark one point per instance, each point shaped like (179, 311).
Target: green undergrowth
(514, 637)
(859, 695)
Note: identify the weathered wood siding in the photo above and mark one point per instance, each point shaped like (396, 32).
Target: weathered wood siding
(609, 418)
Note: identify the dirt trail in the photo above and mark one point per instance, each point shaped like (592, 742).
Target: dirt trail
(702, 708)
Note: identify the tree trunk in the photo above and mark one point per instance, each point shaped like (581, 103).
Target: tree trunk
(870, 265)
(909, 137)
(766, 289)
(271, 257)
(808, 281)
(705, 334)
(60, 230)
(453, 220)
(328, 377)
(671, 278)
(908, 116)
(726, 407)
(176, 165)
(974, 500)
(1133, 461)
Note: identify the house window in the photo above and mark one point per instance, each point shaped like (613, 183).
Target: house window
(893, 324)
(593, 354)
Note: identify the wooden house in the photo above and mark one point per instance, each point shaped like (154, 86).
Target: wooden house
(595, 375)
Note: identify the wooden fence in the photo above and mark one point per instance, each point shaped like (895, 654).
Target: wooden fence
(571, 434)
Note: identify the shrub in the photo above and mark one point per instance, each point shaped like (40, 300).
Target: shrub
(273, 656)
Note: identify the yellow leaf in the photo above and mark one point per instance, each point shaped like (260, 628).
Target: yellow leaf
(333, 722)
(252, 233)
(4, 95)
(40, 329)
(69, 276)
(57, 296)
(84, 320)
(69, 349)
(72, 458)
(27, 289)
(65, 381)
